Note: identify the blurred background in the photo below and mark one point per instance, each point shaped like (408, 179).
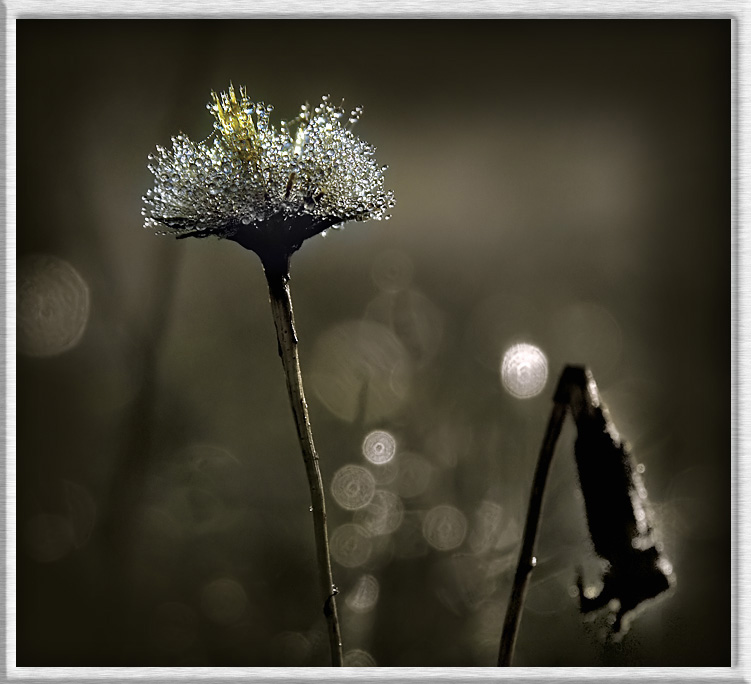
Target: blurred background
(563, 196)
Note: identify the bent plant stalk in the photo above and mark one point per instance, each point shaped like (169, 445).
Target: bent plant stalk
(615, 501)
(277, 276)
(527, 559)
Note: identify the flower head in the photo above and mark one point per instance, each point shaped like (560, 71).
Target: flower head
(267, 189)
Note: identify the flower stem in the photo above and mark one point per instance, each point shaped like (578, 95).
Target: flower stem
(277, 276)
(526, 555)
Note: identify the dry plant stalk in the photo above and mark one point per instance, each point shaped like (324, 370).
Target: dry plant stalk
(269, 190)
(617, 510)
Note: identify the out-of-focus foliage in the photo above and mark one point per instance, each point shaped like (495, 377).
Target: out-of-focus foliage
(563, 185)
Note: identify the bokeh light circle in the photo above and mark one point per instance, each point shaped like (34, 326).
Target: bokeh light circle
(409, 540)
(360, 370)
(293, 648)
(379, 447)
(52, 305)
(358, 658)
(386, 473)
(382, 515)
(524, 370)
(364, 595)
(350, 545)
(223, 601)
(353, 487)
(444, 527)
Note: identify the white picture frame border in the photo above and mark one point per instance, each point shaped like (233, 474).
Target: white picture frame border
(736, 10)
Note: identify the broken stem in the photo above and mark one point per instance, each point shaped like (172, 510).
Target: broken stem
(527, 559)
(277, 276)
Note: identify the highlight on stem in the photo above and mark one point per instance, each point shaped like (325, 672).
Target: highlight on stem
(269, 190)
(617, 509)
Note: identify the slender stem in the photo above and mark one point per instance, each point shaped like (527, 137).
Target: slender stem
(527, 559)
(277, 275)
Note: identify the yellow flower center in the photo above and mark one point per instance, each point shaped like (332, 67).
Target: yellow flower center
(236, 124)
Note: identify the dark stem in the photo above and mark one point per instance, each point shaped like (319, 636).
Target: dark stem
(526, 556)
(277, 275)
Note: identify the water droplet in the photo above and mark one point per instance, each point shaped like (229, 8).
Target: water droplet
(533, 562)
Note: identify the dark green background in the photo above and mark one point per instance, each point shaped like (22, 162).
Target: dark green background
(564, 183)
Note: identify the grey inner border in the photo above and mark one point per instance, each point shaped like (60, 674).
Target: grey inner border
(737, 10)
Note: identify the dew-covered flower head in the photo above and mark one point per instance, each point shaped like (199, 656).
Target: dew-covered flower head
(262, 187)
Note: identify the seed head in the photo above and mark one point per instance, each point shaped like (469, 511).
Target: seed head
(265, 188)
